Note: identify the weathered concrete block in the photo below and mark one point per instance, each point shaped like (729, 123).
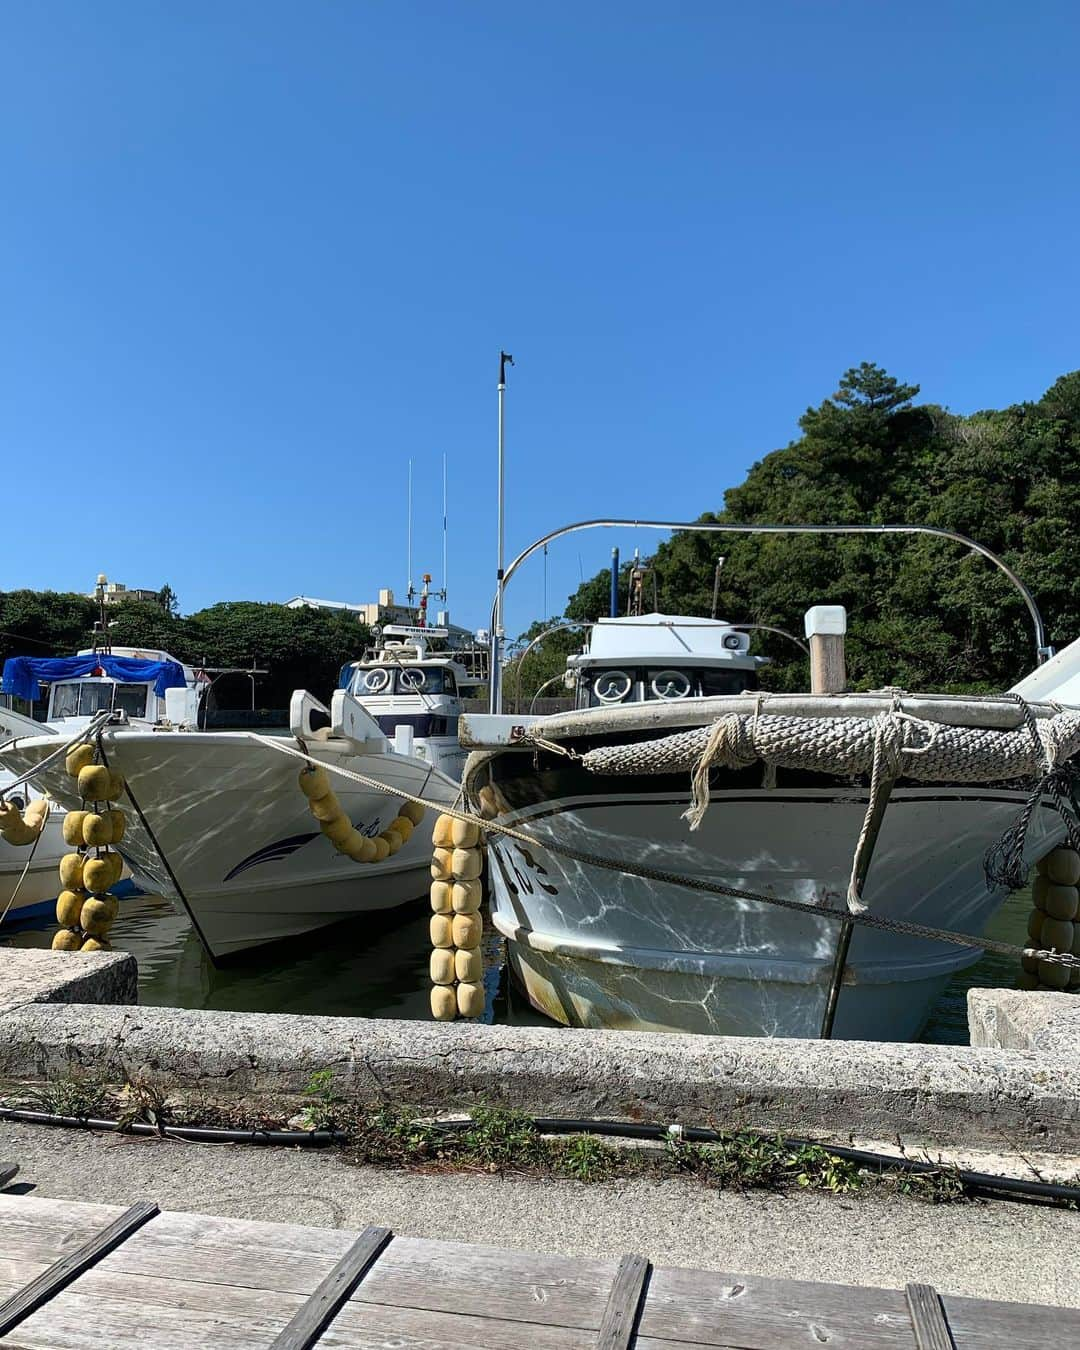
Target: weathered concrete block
(29, 975)
(1017, 1019)
(923, 1093)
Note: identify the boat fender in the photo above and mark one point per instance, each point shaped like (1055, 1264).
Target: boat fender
(71, 870)
(9, 815)
(66, 940)
(98, 914)
(465, 833)
(69, 905)
(466, 864)
(402, 825)
(116, 786)
(338, 829)
(442, 836)
(489, 806)
(382, 849)
(95, 944)
(440, 864)
(441, 931)
(314, 783)
(467, 930)
(1053, 975)
(97, 830)
(78, 759)
(36, 814)
(441, 966)
(1056, 901)
(470, 1000)
(20, 833)
(98, 874)
(1028, 980)
(1035, 923)
(325, 808)
(440, 897)
(95, 780)
(465, 897)
(72, 827)
(1057, 934)
(412, 811)
(1061, 866)
(359, 847)
(119, 825)
(443, 1002)
(394, 840)
(469, 966)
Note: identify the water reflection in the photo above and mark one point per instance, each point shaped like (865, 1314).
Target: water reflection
(377, 966)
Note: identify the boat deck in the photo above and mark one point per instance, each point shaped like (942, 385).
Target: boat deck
(76, 1275)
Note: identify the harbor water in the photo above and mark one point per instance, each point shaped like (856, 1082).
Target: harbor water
(377, 966)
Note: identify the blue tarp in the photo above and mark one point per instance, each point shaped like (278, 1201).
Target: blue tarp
(22, 673)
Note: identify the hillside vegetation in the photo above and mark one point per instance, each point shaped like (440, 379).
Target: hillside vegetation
(922, 613)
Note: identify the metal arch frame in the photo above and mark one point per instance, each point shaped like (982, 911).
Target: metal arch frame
(1042, 649)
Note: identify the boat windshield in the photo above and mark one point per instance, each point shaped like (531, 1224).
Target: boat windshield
(84, 698)
(632, 684)
(403, 680)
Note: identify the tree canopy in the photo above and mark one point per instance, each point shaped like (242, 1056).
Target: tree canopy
(923, 613)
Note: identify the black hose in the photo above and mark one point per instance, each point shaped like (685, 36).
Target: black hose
(979, 1182)
(205, 1134)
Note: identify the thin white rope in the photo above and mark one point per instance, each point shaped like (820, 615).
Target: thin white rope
(647, 873)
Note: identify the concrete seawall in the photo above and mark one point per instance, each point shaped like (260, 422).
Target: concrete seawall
(988, 1094)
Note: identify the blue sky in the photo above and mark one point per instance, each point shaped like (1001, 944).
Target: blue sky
(256, 256)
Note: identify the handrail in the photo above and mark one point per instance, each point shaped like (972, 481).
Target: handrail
(1042, 649)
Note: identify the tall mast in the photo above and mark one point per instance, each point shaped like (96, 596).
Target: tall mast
(444, 527)
(409, 535)
(497, 635)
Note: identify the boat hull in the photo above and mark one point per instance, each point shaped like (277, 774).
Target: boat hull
(597, 947)
(218, 822)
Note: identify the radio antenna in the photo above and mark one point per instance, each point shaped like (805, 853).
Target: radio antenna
(409, 534)
(444, 527)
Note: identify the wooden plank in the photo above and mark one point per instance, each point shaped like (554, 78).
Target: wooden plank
(624, 1301)
(373, 1326)
(492, 1282)
(313, 1317)
(983, 1324)
(68, 1268)
(756, 1313)
(928, 1318)
(132, 1312)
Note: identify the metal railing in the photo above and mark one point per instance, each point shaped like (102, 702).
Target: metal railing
(1042, 648)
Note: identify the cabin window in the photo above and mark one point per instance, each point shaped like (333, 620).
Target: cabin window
(131, 698)
(714, 681)
(84, 698)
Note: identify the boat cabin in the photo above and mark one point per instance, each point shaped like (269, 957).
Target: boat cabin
(127, 680)
(401, 682)
(661, 657)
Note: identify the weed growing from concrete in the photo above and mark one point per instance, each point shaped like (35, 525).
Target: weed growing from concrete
(80, 1097)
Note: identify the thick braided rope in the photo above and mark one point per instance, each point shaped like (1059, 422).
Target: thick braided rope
(845, 745)
(647, 873)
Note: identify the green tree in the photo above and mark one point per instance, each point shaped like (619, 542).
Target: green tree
(923, 613)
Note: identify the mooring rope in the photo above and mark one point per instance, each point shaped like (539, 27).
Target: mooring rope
(647, 873)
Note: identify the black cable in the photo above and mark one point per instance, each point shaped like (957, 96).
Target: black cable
(980, 1182)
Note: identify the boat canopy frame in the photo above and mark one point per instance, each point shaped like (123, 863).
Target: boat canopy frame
(1043, 650)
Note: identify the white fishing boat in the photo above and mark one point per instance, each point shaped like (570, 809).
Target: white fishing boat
(787, 815)
(217, 819)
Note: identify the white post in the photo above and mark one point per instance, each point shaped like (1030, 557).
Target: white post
(825, 626)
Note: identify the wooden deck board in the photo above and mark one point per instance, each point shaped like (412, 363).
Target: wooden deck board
(758, 1313)
(196, 1282)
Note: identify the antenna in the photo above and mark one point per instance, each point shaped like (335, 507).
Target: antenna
(409, 534)
(444, 527)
